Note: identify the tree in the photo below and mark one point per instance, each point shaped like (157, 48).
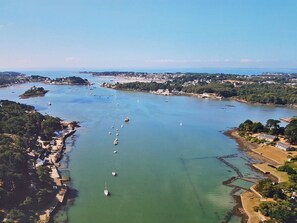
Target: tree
(246, 126)
(281, 211)
(293, 178)
(268, 189)
(43, 173)
(257, 127)
(16, 215)
(49, 126)
(273, 126)
(291, 132)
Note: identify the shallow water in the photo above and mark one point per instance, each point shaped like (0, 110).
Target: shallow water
(167, 172)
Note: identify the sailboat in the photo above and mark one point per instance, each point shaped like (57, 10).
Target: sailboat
(106, 192)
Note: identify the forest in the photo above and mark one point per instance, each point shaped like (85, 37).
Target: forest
(24, 189)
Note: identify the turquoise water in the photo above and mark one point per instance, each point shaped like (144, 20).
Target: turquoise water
(167, 172)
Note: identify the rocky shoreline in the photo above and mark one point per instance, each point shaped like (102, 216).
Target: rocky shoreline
(56, 148)
(252, 198)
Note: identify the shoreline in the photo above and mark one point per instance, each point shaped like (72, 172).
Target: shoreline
(246, 147)
(61, 183)
(251, 198)
(200, 96)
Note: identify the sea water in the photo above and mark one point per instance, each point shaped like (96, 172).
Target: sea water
(167, 163)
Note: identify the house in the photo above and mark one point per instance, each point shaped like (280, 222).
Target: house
(266, 137)
(284, 146)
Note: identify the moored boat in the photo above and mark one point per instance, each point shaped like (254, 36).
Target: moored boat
(106, 192)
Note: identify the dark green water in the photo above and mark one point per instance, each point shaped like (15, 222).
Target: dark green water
(167, 172)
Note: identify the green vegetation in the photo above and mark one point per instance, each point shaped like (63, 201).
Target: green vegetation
(140, 86)
(284, 209)
(269, 189)
(271, 127)
(281, 211)
(34, 92)
(71, 81)
(24, 189)
(268, 93)
(279, 89)
(287, 167)
(9, 78)
(291, 131)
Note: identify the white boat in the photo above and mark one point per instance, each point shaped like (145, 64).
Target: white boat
(106, 192)
(115, 151)
(109, 133)
(122, 126)
(113, 173)
(181, 124)
(127, 119)
(115, 142)
(117, 130)
(117, 134)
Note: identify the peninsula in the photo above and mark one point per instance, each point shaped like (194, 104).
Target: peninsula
(267, 88)
(11, 78)
(31, 146)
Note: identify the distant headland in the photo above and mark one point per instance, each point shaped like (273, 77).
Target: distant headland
(11, 78)
(266, 88)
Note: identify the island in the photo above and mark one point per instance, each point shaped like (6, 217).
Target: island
(267, 88)
(273, 150)
(34, 92)
(67, 81)
(31, 146)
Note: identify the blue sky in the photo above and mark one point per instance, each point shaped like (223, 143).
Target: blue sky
(114, 34)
